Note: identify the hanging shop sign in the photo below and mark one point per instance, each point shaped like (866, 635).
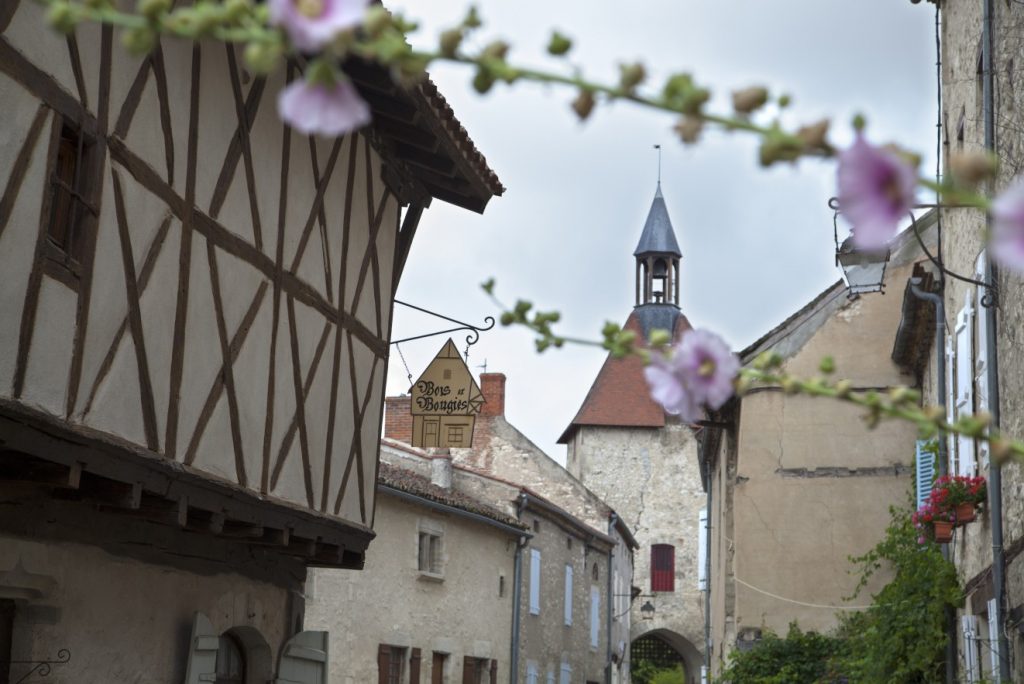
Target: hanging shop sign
(445, 402)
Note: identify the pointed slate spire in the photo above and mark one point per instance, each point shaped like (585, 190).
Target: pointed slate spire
(658, 236)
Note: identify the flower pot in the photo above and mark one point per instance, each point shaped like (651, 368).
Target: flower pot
(943, 531)
(965, 513)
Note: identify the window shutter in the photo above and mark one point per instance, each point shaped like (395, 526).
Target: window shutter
(703, 674)
(494, 671)
(414, 666)
(951, 465)
(965, 383)
(924, 462)
(981, 358)
(702, 551)
(468, 670)
(531, 672)
(383, 663)
(202, 655)
(551, 677)
(534, 581)
(595, 615)
(663, 567)
(568, 595)
(993, 636)
(566, 675)
(304, 659)
(968, 626)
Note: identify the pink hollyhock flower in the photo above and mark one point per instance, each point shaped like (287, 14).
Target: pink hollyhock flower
(325, 110)
(1008, 227)
(310, 24)
(876, 191)
(699, 372)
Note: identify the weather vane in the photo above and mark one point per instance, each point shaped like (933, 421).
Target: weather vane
(658, 147)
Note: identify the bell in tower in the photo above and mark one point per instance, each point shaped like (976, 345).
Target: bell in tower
(657, 258)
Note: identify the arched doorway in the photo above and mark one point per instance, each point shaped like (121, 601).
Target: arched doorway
(663, 649)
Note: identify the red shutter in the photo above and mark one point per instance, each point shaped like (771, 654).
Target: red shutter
(468, 670)
(414, 667)
(383, 662)
(663, 570)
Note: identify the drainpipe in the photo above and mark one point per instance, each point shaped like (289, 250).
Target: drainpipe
(940, 385)
(517, 577)
(995, 487)
(707, 572)
(609, 604)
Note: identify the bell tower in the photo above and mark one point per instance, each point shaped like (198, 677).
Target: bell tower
(657, 258)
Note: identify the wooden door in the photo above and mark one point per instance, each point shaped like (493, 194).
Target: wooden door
(437, 668)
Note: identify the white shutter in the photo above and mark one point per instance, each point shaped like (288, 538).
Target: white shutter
(951, 465)
(703, 674)
(965, 383)
(531, 672)
(993, 637)
(304, 659)
(566, 674)
(202, 654)
(968, 627)
(595, 615)
(534, 581)
(551, 677)
(924, 465)
(568, 595)
(702, 551)
(981, 357)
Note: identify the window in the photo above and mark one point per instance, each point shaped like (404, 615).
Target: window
(438, 667)
(230, 661)
(568, 595)
(663, 567)
(501, 586)
(534, 582)
(479, 670)
(430, 552)
(390, 664)
(447, 373)
(595, 615)
(6, 638)
(971, 637)
(536, 525)
(455, 434)
(71, 188)
(702, 550)
(595, 573)
(963, 369)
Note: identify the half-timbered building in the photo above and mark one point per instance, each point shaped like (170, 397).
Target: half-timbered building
(194, 321)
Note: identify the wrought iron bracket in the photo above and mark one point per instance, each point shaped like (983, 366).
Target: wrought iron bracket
(472, 338)
(40, 667)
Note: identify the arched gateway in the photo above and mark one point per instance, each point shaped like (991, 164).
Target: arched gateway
(664, 648)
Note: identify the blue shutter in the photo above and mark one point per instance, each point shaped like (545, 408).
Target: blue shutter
(925, 469)
(534, 582)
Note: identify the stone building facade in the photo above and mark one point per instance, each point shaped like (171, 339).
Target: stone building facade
(797, 485)
(965, 112)
(579, 545)
(434, 600)
(191, 367)
(643, 463)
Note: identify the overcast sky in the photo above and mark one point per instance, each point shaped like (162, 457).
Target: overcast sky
(757, 244)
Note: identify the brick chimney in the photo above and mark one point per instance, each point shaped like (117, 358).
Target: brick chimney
(493, 387)
(398, 418)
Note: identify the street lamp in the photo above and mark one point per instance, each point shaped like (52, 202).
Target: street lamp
(863, 269)
(647, 611)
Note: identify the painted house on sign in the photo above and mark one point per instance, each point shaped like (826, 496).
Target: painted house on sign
(445, 402)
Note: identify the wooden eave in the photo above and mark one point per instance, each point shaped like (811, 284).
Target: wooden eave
(78, 464)
(419, 132)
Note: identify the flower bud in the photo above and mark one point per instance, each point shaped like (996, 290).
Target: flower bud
(659, 337)
(236, 9)
(689, 128)
(583, 104)
(790, 386)
(750, 99)
(843, 388)
(450, 41)
(693, 101)
(508, 318)
(1000, 449)
(971, 167)
(483, 81)
(139, 41)
(785, 100)
(262, 57)
(814, 136)
(62, 17)
(472, 19)
(559, 44)
(376, 20)
(151, 9)
(827, 365)
(496, 50)
(631, 75)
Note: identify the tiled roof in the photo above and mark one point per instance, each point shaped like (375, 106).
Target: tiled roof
(413, 483)
(619, 396)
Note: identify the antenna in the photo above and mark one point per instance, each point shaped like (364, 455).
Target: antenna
(658, 147)
(483, 365)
